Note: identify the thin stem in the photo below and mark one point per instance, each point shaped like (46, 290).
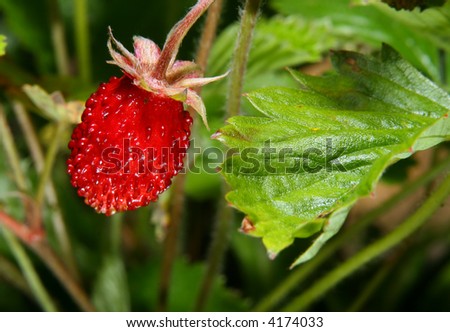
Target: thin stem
(82, 39)
(53, 262)
(35, 149)
(379, 247)
(304, 271)
(58, 38)
(115, 233)
(11, 152)
(11, 274)
(208, 35)
(19, 253)
(22, 231)
(225, 216)
(216, 253)
(43, 250)
(371, 286)
(14, 162)
(30, 135)
(48, 256)
(29, 272)
(239, 64)
(176, 36)
(49, 162)
(171, 241)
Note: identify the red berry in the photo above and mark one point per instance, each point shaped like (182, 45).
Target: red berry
(134, 131)
(129, 145)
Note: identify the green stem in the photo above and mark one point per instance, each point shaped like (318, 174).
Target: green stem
(48, 256)
(371, 287)
(54, 263)
(58, 38)
(35, 149)
(19, 253)
(41, 248)
(225, 216)
(11, 274)
(115, 233)
(49, 162)
(216, 253)
(364, 256)
(29, 272)
(239, 63)
(82, 40)
(11, 152)
(304, 271)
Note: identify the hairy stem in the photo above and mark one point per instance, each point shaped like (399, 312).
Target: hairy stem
(176, 36)
(57, 220)
(225, 216)
(379, 247)
(302, 272)
(208, 35)
(240, 57)
(29, 272)
(58, 38)
(82, 39)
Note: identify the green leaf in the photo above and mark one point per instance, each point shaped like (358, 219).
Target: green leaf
(298, 170)
(111, 288)
(278, 42)
(2, 45)
(47, 104)
(53, 106)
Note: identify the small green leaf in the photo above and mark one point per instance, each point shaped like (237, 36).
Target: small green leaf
(2, 45)
(111, 288)
(299, 169)
(45, 103)
(53, 106)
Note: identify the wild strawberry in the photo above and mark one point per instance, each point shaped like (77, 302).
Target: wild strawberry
(134, 131)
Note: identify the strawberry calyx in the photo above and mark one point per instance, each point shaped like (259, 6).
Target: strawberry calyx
(157, 71)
